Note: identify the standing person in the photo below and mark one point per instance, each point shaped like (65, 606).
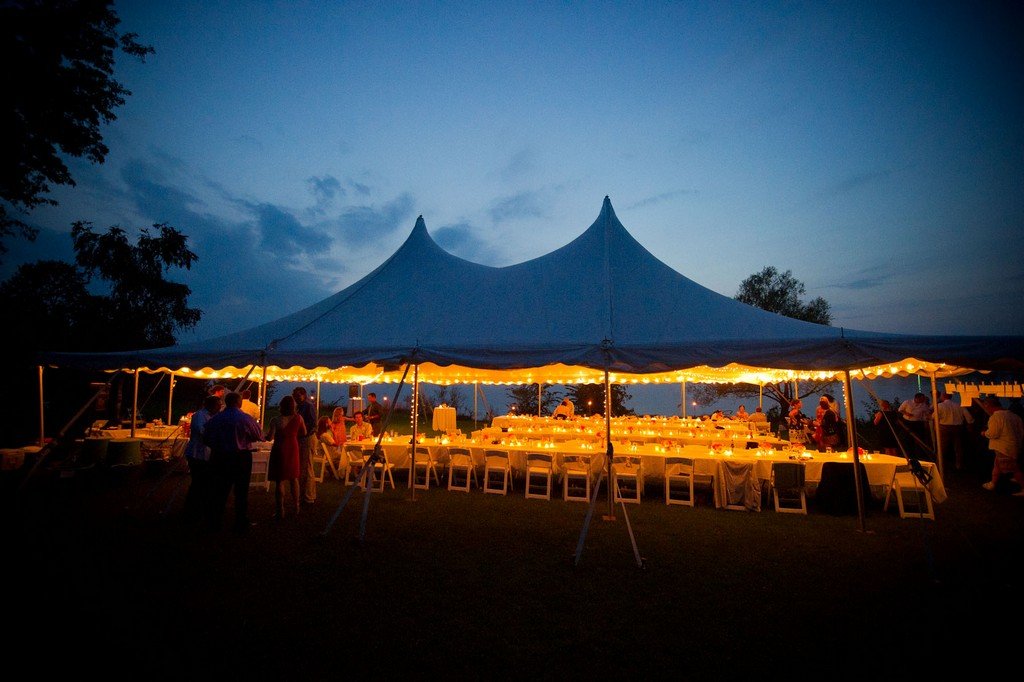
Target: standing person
(373, 413)
(197, 455)
(951, 426)
(219, 390)
(1005, 432)
(828, 426)
(916, 413)
(338, 426)
(886, 421)
(248, 406)
(283, 468)
(230, 435)
(307, 442)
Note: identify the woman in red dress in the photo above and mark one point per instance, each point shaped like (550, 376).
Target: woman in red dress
(283, 467)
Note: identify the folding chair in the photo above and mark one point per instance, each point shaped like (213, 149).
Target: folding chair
(627, 478)
(740, 488)
(913, 500)
(576, 478)
(382, 475)
(461, 471)
(679, 481)
(788, 489)
(354, 460)
(260, 469)
(329, 454)
(427, 463)
(497, 472)
(539, 471)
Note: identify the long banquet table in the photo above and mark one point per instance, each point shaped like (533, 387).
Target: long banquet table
(167, 441)
(707, 461)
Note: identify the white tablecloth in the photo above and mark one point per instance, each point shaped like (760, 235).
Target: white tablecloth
(444, 419)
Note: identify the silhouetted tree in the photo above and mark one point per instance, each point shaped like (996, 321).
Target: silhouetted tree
(55, 310)
(58, 86)
(780, 292)
(776, 292)
(523, 398)
(589, 399)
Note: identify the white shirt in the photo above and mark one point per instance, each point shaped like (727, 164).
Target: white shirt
(951, 414)
(914, 411)
(1005, 432)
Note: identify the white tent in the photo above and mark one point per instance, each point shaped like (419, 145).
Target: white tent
(600, 303)
(600, 309)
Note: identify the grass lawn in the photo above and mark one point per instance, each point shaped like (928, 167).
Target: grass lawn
(103, 576)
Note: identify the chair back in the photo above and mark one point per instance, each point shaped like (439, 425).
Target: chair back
(539, 458)
(423, 450)
(788, 475)
(576, 462)
(492, 457)
(678, 465)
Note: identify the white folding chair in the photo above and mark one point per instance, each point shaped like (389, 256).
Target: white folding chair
(461, 471)
(355, 459)
(913, 500)
(426, 463)
(382, 475)
(539, 471)
(260, 470)
(576, 478)
(679, 481)
(330, 454)
(497, 472)
(627, 478)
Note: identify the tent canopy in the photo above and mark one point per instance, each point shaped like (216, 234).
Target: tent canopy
(601, 302)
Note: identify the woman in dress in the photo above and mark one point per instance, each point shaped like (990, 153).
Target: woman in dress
(283, 467)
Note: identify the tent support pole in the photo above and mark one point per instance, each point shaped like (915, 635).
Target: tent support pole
(609, 449)
(540, 392)
(935, 427)
(263, 391)
(170, 400)
(476, 387)
(760, 395)
(318, 398)
(42, 419)
(415, 422)
(851, 438)
(135, 402)
(682, 399)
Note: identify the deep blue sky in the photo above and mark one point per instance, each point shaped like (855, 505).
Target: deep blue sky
(873, 148)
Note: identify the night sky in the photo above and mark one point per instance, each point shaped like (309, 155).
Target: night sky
(875, 149)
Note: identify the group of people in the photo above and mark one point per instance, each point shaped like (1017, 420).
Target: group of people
(907, 432)
(826, 429)
(219, 455)
(224, 433)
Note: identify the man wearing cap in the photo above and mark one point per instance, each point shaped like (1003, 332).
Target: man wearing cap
(1005, 431)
